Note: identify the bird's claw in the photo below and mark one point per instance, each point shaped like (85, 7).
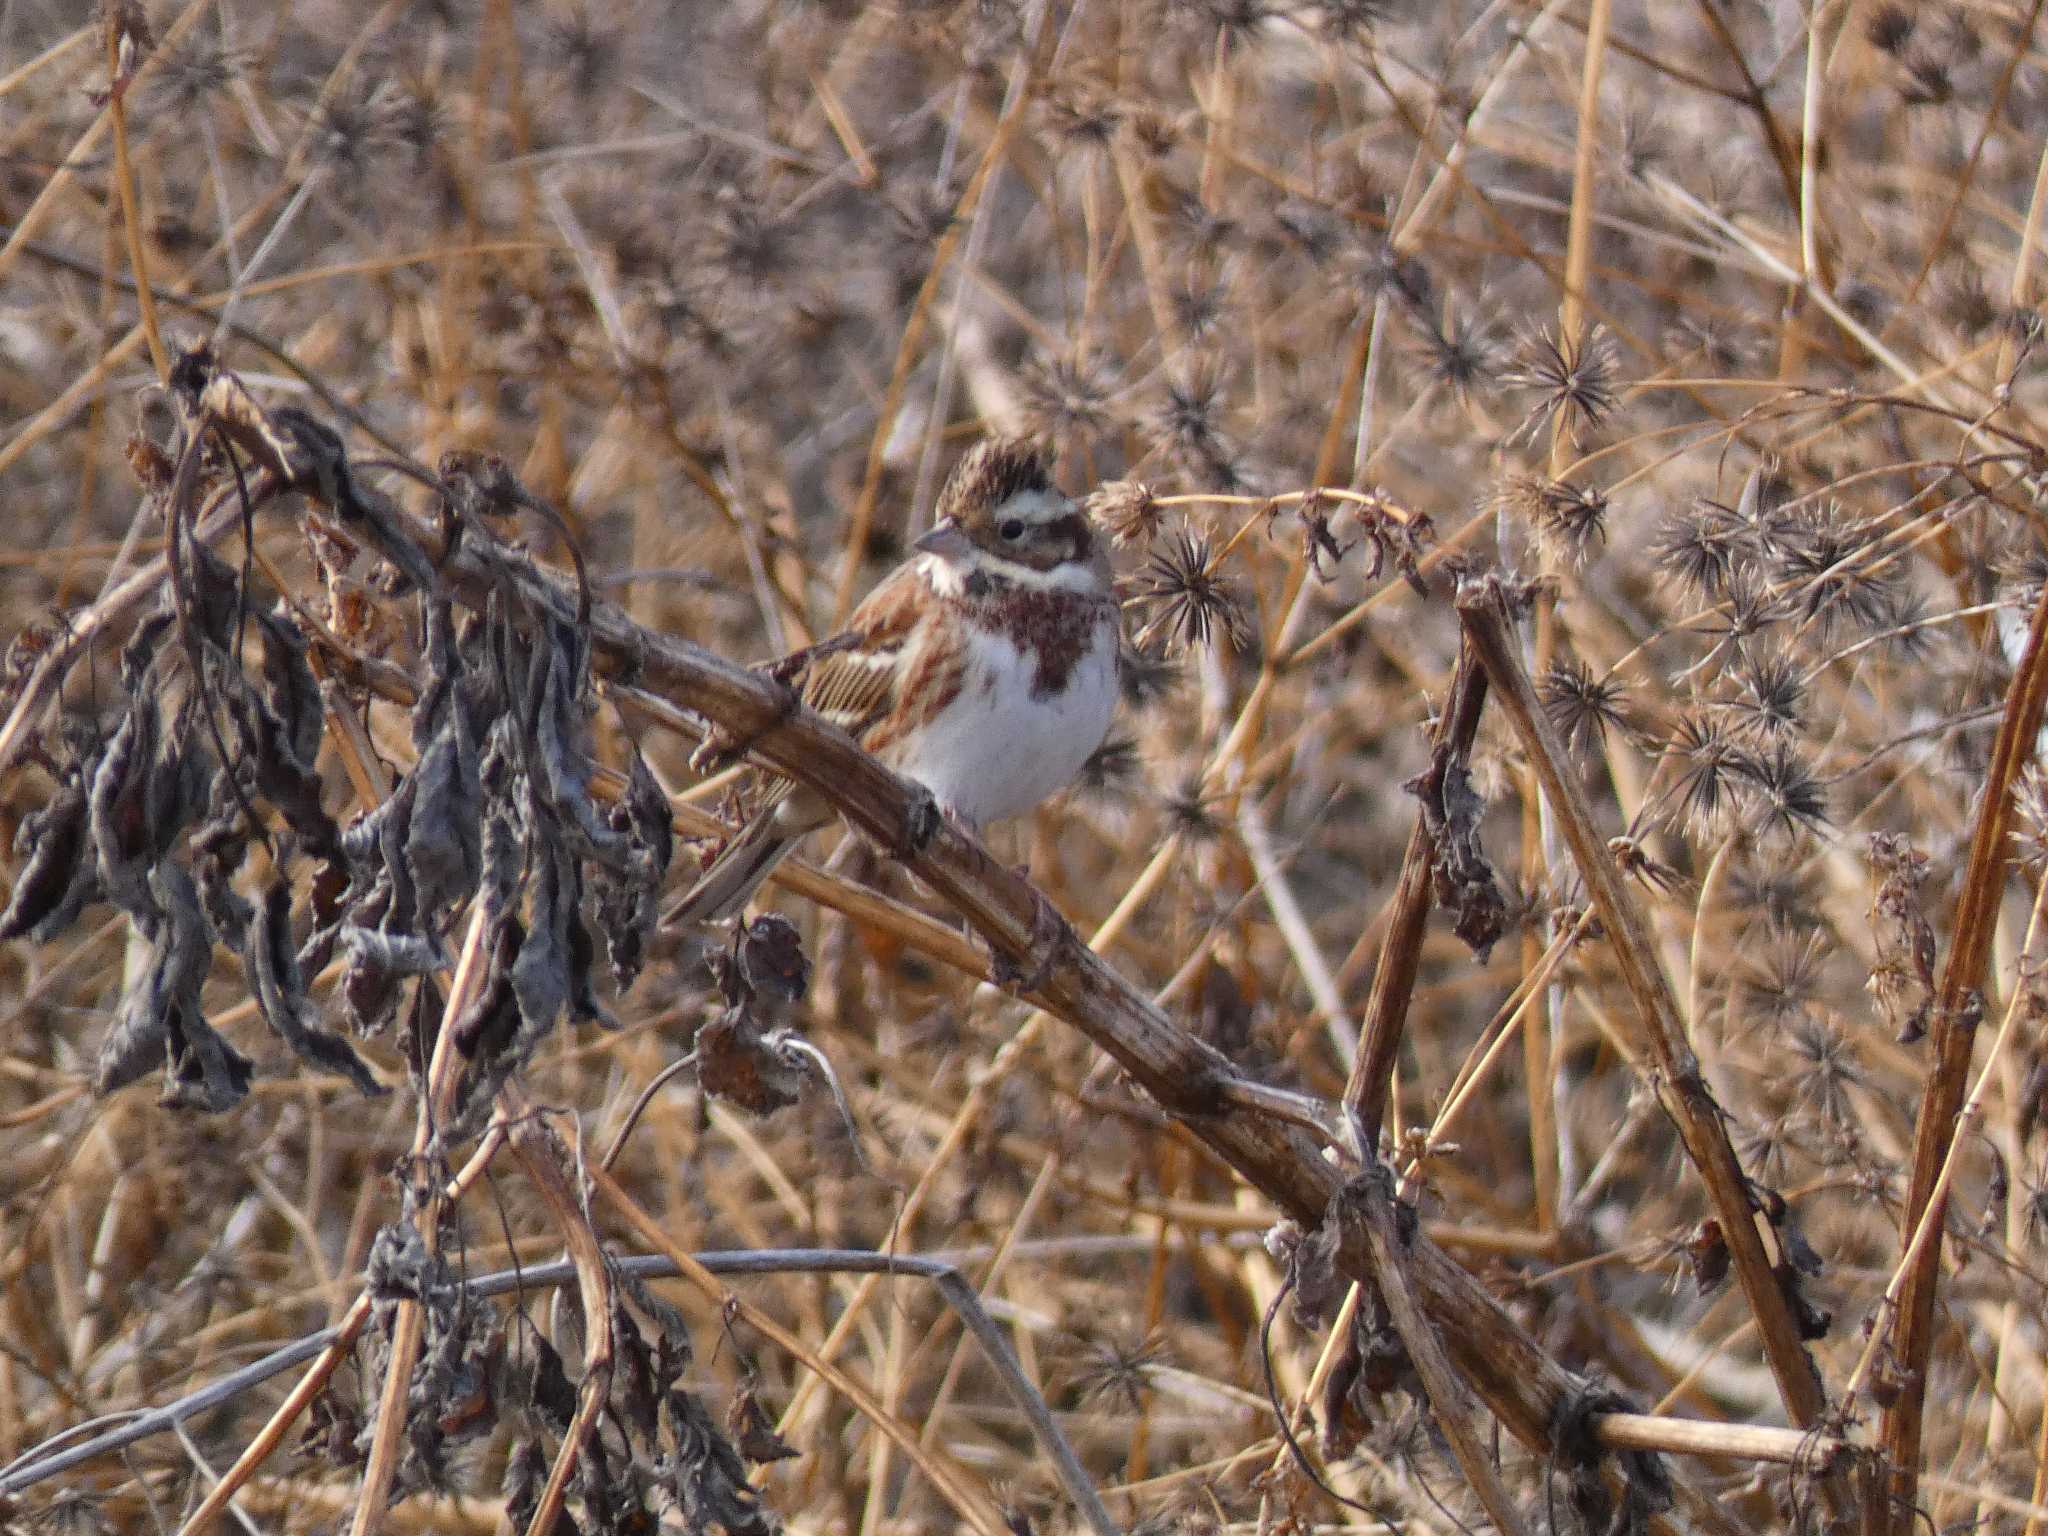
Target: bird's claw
(922, 818)
(722, 746)
(1048, 928)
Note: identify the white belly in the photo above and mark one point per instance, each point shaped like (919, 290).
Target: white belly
(997, 751)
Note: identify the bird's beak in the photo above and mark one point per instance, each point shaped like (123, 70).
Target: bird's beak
(946, 541)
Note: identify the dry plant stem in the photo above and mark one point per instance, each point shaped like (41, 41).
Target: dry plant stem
(1578, 251)
(124, 178)
(1741, 1442)
(1393, 982)
(1447, 1399)
(1676, 1077)
(340, 1342)
(81, 153)
(444, 1071)
(540, 1152)
(1965, 1122)
(1956, 1006)
(958, 1488)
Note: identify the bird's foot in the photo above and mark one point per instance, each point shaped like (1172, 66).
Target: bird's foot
(723, 746)
(922, 818)
(1048, 930)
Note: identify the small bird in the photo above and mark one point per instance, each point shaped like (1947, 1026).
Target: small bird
(984, 667)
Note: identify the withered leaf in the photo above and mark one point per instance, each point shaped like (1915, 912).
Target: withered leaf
(1707, 1253)
(754, 1432)
(272, 967)
(707, 1475)
(734, 1063)
(771, 958)
(159, 1019)
(60, 877)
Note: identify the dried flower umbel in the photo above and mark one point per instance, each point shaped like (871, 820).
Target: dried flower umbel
(1573, 378)
(1128, 509)
(1581, 705)
(1568, 520)
(1188, 598)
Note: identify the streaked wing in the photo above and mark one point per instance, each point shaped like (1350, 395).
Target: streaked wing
(853, 681)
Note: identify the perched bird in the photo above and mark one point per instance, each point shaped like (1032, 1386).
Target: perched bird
(984, 667)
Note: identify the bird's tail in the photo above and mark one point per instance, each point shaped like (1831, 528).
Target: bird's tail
(736, 873)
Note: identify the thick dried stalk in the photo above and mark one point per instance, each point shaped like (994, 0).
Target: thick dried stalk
(540, 1153)
(1393, 982)
(1677, 1079)
(1375, 1211)
(1956, 1010)
(408, 1321)
(1508, 1370)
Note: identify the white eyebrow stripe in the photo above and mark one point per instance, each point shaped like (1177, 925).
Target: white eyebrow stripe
(1037, 506)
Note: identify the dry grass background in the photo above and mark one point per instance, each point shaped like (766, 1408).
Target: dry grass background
(1716, 317)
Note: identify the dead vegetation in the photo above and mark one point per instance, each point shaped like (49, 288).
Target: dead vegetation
(1549, 1035)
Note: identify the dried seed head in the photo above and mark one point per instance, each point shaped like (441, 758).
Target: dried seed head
(2030, 799)
(1083, 115)
(1066, 395)
(1113, 769)
(1708, 549)
(195, 72)
(1785, 976)
(1128, 509)
(1185, 423)
(1790, 797)
(1708, 758)
(353, 127)
(1190, 810)
(1772, 697)
(1190, 600)
(1349, 20)
(586, 52)
(1582, 706)
(1460, 354)
(1835, 570)
(1144, 675)
(1568, 520)
(1889, 27)
(1639, 864)
(1241, 20)
(1118, 1372)
(1824, 1067)
(1573, 377)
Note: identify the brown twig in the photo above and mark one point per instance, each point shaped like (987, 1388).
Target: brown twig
(540, 1152)
(267, 1438)
(1956, 1011)
(1510, 1372)
(1393, 983)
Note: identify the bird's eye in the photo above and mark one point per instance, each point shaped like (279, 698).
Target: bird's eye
(1012, 529)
